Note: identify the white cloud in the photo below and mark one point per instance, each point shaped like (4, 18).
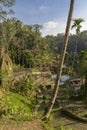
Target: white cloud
(43, 8)
(53, 27)
(58, 26)
(84, 26)
(50, 25)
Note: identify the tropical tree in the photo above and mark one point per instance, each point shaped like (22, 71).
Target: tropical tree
(5, 7)
(5, 61)
(59, 72)
(77, 26)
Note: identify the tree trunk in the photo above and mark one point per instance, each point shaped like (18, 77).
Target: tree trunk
(56, 86)
(75, 53)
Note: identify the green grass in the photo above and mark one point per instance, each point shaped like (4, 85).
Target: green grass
(17, 67)
(17, 107)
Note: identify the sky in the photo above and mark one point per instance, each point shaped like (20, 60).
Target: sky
(51, 14)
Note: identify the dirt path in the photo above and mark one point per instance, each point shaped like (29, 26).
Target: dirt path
(76, 106)
(68, 122)
(27, 125)
(36, 124)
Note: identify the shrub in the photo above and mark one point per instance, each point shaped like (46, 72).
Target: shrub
(25, 87)
(17, 107)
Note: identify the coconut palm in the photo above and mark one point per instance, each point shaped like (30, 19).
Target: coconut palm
(59, 72)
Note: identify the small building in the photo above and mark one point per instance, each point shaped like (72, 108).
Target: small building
(75, 84)
(63, 79)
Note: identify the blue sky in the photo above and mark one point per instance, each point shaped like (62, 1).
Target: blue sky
(52, 14)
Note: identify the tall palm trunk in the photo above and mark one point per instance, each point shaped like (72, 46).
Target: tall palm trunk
(56, 86)
(74, 55)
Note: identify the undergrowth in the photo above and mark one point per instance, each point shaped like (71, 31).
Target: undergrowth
(17, 107)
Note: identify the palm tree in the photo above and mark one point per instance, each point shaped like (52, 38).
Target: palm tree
(56, 86)
(77, 25)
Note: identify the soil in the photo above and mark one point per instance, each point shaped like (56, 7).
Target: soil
(77, 107)
(68, 123)
(27, 125)
(36, 124)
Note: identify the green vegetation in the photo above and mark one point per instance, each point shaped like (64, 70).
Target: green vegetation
(24, 87)
(28, 50)
(17, 107)
(47, 125)
(22, 48)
